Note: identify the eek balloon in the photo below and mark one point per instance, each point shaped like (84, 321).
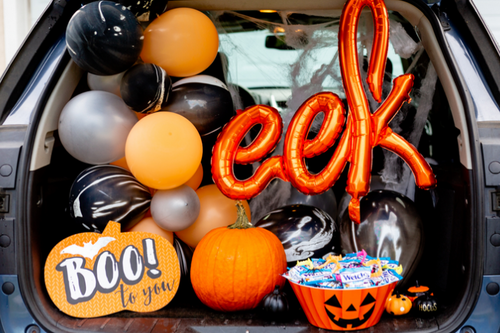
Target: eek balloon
(106, 192)
(304, 231)
(104, 38)
(390, 227)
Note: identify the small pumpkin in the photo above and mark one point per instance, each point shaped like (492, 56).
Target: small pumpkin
(426, 304)
(398, 305)
(234, 267)
(275, 304)
(417, 291)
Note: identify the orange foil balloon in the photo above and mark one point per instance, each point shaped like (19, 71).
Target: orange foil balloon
(216, 210)
(226, 152)
(182, 41)
(363, 130)
(297, 147)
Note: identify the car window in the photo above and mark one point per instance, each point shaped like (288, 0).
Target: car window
(271, 72)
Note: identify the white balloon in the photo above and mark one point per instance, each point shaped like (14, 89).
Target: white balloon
(94, 126)
(175, 209)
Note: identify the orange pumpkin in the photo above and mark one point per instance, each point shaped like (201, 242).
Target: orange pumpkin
(92, 275)
(417, 291)
(234, 267)
(398, 305)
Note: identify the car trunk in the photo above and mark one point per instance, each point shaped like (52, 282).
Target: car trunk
(450, 264)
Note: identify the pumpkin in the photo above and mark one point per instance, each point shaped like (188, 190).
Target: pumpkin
(275, 304)
(426, 304)
(234, 267)
(91, 275)
(417, 291)
(398, 305)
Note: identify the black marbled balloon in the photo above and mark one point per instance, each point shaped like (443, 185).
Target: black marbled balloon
(138, 7)
(106, 192)
(185, 255)
(203, 100)
(390, 227)
(304, 231)
(145, 88)
(104, 38)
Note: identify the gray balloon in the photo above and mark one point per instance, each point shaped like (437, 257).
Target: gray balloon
(390, 227)
(94, 126)
(175, 209)
(109, 83)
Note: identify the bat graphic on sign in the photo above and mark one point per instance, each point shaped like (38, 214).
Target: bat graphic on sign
(88, 250)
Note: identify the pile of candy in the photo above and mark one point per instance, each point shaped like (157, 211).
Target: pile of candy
(355, 270)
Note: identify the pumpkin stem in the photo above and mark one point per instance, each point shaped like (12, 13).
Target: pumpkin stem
(242, 221)
(397, 294)
(276, 290)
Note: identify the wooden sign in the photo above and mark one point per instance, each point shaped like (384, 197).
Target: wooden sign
(91, 275)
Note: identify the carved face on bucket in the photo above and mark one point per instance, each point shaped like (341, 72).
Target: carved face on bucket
(356, 314)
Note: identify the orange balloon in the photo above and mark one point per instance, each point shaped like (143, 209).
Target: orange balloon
(122, 163)
(163, 150)
(216, 210)
(183, 41)
(147, 224)
(195, 181)
(140, 115)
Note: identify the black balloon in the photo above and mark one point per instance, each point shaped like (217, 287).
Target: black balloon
(304, 231)
(325, 201)
(145, 88)
(204, 100)
(140, 7)
(390, 227)
(185, 254)
(106, 193)
(376, 183)
(104, 38)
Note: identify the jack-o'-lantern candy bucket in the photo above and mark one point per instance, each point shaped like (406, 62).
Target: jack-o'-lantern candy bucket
(343, 309)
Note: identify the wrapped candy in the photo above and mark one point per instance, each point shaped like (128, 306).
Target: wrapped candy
(354, 271)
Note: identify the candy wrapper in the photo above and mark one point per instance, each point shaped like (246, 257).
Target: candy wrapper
(354, 271)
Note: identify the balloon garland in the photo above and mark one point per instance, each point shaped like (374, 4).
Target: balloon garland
(363, 130)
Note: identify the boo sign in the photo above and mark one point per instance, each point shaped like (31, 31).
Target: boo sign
(91, 275)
